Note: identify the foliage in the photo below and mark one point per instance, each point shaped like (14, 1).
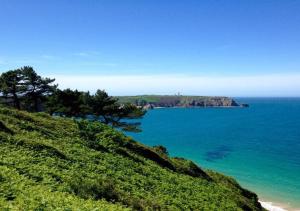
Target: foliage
(108, 110)
(89, 129)
(188, 167)
(99, 106)
(24, 88)
(97, 188)
(47, 164)
(37, 88)
(161, 150)
(4, 128)
(103, 105)
(67, 102)
(11, 87)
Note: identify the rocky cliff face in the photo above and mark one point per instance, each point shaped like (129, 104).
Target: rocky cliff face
(188, 102)
(211, 102)
(154, 101)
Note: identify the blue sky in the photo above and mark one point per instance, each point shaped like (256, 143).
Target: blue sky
(147, 42)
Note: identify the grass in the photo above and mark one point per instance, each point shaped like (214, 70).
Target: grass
(57, 163)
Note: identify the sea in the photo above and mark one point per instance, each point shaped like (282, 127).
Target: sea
(259, 145)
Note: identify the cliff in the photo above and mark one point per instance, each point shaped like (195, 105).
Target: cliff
(152, 101)
(55, 163)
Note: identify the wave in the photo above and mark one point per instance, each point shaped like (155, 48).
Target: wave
(270, 207)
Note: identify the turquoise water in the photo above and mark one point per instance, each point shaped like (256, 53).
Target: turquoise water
(259, 146)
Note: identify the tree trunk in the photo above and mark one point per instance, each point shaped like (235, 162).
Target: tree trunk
(16, 101)
(36, 104)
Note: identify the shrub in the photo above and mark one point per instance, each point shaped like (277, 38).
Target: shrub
(89, 129)
(5, 129)
(97, 188)
(161, 149)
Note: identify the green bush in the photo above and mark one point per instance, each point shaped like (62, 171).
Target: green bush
(89, 129)
(3, 128)
(161, 150)
(97, 188)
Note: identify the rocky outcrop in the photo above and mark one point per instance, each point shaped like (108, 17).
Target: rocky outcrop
(156, 101)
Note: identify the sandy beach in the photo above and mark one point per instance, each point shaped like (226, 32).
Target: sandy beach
(271, 207)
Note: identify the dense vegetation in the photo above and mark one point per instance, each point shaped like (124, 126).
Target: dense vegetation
(24, 89)
(56, 163)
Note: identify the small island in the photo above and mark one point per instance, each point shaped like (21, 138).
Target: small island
(169, 101)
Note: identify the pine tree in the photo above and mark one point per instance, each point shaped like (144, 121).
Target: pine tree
(11, 87)
(37, 88)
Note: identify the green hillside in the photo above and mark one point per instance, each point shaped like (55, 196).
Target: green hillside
(55, 163)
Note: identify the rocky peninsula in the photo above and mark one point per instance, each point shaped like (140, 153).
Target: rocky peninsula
(167, 101)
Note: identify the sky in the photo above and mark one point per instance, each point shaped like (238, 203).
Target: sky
(130, 47)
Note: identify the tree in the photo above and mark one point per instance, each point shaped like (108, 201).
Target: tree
(124, 116)
(110, 111)
(102, 105)
(37, 88)
(11, 87)
(67, 102)
(24, 88)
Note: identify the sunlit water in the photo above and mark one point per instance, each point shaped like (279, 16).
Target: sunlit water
(259, 145)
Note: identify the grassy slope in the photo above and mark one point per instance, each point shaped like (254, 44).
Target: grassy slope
(54, 164)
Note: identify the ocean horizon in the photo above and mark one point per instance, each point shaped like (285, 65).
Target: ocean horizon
(259, 146)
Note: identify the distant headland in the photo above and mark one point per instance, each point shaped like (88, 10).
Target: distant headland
(169, 101)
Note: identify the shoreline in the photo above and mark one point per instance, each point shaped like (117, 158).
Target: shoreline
(273, 206)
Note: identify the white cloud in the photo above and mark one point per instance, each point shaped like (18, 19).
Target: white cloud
(254, 85)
